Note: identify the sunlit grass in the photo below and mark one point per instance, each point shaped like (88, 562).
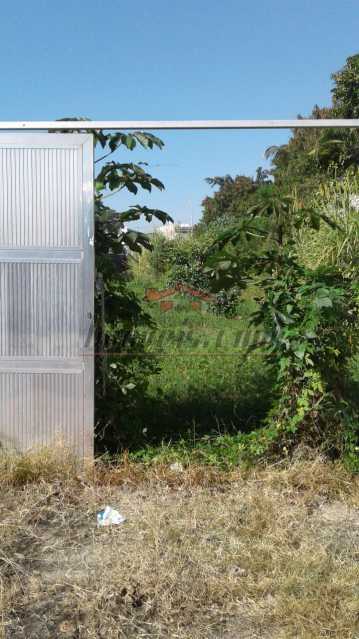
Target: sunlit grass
(208, 380)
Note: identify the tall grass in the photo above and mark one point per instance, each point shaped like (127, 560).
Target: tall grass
(338, 200)
(207, 382)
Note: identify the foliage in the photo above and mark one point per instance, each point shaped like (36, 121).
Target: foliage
(206, 384)
(225, 451)
(291, 234)
(311, 154)
(226, 302)
(231, 200)
(186, 257)
(180, 260)
(161, 254)
(121, 366)
(305, 158)
(299, 310)
(188, 273)
(214, 227)
(337, 245)
(296, 241)
(346, 89)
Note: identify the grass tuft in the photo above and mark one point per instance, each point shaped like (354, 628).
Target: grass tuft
(47, 464)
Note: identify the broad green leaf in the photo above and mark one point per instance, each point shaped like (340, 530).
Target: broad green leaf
(323, 302)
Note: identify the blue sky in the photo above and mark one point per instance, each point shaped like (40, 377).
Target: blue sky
(188, 59)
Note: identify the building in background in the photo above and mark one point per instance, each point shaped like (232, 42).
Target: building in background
(173, 229)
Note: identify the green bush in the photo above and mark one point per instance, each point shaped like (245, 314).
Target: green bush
(122, 368)
(160, 256)
(226, 302)
(310, 320)
(186, 261)
(301, 311)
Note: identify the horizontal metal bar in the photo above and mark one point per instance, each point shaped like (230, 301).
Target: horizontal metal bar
(40, 254)
(41, 365)
(124, 125)
(15, 140)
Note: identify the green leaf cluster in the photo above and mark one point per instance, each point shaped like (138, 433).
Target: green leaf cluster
(122, 365)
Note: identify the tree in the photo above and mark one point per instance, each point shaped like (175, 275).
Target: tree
(121, 365)
(303, 161)
(311, 154)
(233, 197)
(346, 89)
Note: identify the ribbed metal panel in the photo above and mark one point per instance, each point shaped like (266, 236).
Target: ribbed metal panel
(39, 309)
(40, 197)
(46, 291)
(34, 405)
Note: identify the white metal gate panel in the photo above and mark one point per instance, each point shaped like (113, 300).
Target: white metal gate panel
(46, 291)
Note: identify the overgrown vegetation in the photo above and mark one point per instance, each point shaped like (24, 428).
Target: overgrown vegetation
(261, 360)
(299, 309)
(206, 384)
(305, 295)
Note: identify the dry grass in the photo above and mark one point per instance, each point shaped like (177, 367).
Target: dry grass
(203, 554)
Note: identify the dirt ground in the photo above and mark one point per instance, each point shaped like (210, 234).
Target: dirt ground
(273, 554)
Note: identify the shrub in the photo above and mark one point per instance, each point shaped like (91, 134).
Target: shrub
(310, 319)
(121, 367)
(301, 311)
(161, 254)
(226, 302)
(186, 258)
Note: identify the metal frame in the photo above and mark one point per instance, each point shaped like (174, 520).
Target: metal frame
(88, 286)
(111, 125)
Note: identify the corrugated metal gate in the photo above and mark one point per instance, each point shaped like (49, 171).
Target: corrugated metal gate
(46, 290)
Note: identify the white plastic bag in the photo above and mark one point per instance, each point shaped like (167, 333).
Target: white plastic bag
(110, 517)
